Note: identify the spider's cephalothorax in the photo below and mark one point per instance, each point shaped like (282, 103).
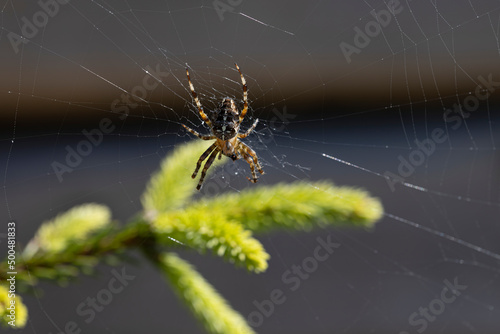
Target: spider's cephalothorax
(224, 125)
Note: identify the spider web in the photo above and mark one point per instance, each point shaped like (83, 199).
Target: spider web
(397, 110)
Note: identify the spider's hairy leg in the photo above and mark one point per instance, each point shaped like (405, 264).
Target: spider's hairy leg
(245, 95)
(246, 149)
(249, 131)
(252, 168)
(197, 134)
(197, 101)
(206, 167)
(251, 157)
(203, 157)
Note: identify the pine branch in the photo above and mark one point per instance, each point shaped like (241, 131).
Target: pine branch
(75, 241)
(171, 187)
(203, 300)
(74, 225)
(298, 206)
(204, 231)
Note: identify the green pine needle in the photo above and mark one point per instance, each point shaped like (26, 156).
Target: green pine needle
(172, 186)
(299, 206)
(203, 230)
(204, 301)
(73, 225)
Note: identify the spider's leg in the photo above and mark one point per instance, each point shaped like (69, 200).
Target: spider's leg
(249, 131)
(245, 95)
(198, 104)
(248, 151)
(203, 157)
(209, 162)
(220, 154)
(252, 168)
(197, 134)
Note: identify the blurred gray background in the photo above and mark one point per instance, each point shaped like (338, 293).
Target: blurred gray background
(367, 109)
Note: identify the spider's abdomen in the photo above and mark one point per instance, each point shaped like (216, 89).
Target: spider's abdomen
(225, 120)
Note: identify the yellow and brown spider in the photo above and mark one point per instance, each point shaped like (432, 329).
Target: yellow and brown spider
(224, 125)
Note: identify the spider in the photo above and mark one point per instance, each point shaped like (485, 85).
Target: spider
(224, 123)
